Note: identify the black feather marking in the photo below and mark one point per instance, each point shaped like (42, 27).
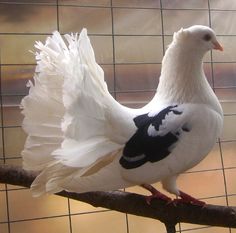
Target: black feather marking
(176, 112)
(142, 120)
(177, 133)
(142, 148)
(186, 128)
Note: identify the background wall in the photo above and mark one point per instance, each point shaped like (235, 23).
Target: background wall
(129, 38)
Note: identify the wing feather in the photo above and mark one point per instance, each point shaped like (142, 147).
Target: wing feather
(155, 138)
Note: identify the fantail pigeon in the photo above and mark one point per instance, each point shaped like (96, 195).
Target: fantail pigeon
(81, 139)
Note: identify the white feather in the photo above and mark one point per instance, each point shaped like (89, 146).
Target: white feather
(152, 131)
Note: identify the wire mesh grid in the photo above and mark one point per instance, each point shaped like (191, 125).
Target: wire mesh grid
(130, 38)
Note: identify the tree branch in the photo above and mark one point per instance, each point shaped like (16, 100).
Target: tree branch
(135, 204)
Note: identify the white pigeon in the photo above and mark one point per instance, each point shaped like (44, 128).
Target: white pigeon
(81, 139)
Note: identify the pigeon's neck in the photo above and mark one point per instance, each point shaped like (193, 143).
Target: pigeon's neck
(182, 78)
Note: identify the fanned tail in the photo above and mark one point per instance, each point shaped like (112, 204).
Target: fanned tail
(68, 115)
(43, 110)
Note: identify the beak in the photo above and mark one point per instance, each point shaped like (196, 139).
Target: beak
(217, 46)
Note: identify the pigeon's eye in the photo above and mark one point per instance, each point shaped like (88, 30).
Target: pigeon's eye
(207, 37)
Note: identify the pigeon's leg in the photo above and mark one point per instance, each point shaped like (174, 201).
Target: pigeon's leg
(185, 198)
(155, 194)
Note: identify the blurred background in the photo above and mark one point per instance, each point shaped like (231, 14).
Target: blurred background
(129, 38)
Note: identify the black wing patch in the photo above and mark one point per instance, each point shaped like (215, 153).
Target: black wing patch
(142, 147)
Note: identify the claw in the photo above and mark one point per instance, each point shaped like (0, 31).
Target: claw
(155, 195)
(184, 197)
(187, 199)
(159, 196)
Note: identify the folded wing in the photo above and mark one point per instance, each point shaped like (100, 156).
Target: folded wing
(156, 137)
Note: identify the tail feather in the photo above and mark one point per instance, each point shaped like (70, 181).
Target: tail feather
(70, 119)
(36, 151)
(85, 97)
(106, 179)
(59, 177)
(83, 154)
(43, 111)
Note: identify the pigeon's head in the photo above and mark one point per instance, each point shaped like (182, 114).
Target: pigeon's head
(199, 38)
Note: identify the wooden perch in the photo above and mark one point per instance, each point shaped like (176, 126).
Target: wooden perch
(131, 203)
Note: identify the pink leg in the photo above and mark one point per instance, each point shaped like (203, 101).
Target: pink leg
(185, 198)
(155, 194)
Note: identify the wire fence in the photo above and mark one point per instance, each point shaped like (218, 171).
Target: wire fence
(129, 38)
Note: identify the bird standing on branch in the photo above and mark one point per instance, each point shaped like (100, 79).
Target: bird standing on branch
(81, 139)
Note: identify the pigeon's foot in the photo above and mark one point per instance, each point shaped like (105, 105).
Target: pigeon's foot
(187, 199)
(155, 194)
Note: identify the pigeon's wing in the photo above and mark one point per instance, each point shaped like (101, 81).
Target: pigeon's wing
(156, 136)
